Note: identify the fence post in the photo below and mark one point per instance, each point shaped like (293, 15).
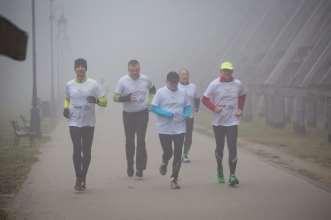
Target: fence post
(299, 115)
(329, 118)
(248, 110)
(311, 111)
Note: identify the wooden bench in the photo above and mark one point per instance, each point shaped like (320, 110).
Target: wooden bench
(26, 123)
(20, 132)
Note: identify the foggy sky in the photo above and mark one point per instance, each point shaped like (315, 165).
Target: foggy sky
(162, 35)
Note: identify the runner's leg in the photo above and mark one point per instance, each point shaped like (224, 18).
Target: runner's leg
(141, 157)
(219, 133)
(87, 139)
(188, 136)
(231, 137)
(166, 144)
(178, 150)
(76, 137)
(129, 129)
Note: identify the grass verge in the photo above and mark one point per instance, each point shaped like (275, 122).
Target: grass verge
(308, 155)
(16, 162)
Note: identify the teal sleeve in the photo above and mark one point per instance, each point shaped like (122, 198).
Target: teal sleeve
(161, 112)
(187, 111)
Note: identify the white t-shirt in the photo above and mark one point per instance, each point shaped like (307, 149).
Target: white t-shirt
(174, 102)
(82, 113)
(191, 92)
(225, 94)
(139, 88)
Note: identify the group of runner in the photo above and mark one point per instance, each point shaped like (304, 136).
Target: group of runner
(174, 105)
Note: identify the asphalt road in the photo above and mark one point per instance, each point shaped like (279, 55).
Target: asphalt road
(265, 192)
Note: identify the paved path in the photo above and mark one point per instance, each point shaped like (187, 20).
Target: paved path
(265, 192)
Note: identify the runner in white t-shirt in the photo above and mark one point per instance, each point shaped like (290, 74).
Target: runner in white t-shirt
(225, 96)
(81, 95)
(172, 107)
(135, 91)
(191, 91)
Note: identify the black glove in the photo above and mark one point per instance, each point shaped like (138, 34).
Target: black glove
(125, 98)
(91, 99)
(66, 113)
(152, 90)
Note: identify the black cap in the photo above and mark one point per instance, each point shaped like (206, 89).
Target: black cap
(81, 62)
(173, 76)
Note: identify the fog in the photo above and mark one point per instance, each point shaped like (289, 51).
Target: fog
(281, 52)
(162, 35)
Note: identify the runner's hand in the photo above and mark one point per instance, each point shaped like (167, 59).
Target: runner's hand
(238, 113)
(178, 116)
(66, 113)
(125, 98)
(133, 97)
(218, 109)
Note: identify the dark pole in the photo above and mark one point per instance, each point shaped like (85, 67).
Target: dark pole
(35, 112)
(61, 24)
(51, 17)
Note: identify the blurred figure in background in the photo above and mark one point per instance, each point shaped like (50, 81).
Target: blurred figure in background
(104, 86)
(191, 92)
(105, 90)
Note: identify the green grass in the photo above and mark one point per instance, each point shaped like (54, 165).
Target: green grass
(313, 146)
(258, 130)
(16, 160)
(15, 163)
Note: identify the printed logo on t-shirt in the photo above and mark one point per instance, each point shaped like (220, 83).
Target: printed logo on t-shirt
(139, 96)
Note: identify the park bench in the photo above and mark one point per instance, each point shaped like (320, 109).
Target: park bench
(25, 122)
(21, 132)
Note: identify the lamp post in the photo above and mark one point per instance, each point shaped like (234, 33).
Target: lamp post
(51, 18)
(61, 28)
(35, 112)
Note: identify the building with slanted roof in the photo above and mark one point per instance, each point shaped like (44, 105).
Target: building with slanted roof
(284, 56)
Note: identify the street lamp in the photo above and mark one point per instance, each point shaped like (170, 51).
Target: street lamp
(61, 36)
(35, 112)
(52, 17)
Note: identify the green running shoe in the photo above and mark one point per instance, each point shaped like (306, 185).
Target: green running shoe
(233, 180)
(220, 179)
